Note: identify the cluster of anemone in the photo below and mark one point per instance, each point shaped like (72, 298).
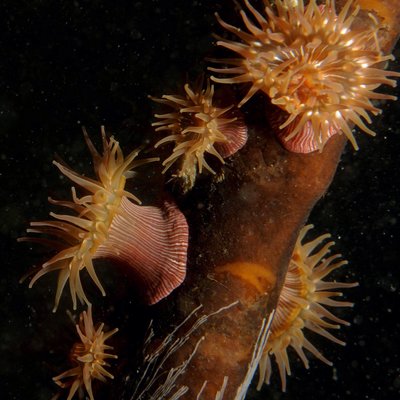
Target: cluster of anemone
(320, 70)
(109, 222)
(315, 65)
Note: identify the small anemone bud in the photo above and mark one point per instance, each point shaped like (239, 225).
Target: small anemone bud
(88, 356)
(318, 67)
(197, 127)
(152, 241)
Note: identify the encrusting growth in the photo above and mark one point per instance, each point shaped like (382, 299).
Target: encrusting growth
(150, 240)
(89, 357)
(314, 64)
(302, 305)
(198, 127)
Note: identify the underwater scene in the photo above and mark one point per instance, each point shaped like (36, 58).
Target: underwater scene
(200, 200)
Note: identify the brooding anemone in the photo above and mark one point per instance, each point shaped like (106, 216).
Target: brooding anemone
(198, 127)
(150, 240)
(88, 357)
(314, 64)
(302, 305)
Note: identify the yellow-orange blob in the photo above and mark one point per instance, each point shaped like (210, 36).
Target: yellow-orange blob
(314, 64)
(257, 275)
(302, 305)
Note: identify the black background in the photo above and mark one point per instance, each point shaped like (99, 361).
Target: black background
(72, 63)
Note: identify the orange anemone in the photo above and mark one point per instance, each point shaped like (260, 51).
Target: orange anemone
(316, 65)
(302, 305)
(198, 127)
(152, 241)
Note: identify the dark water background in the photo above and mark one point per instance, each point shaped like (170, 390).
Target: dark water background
(72, 63)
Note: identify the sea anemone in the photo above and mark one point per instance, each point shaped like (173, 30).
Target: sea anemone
(88, 357)
(315, 64)
(301, 305)
(197, 127)
(152, 241)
